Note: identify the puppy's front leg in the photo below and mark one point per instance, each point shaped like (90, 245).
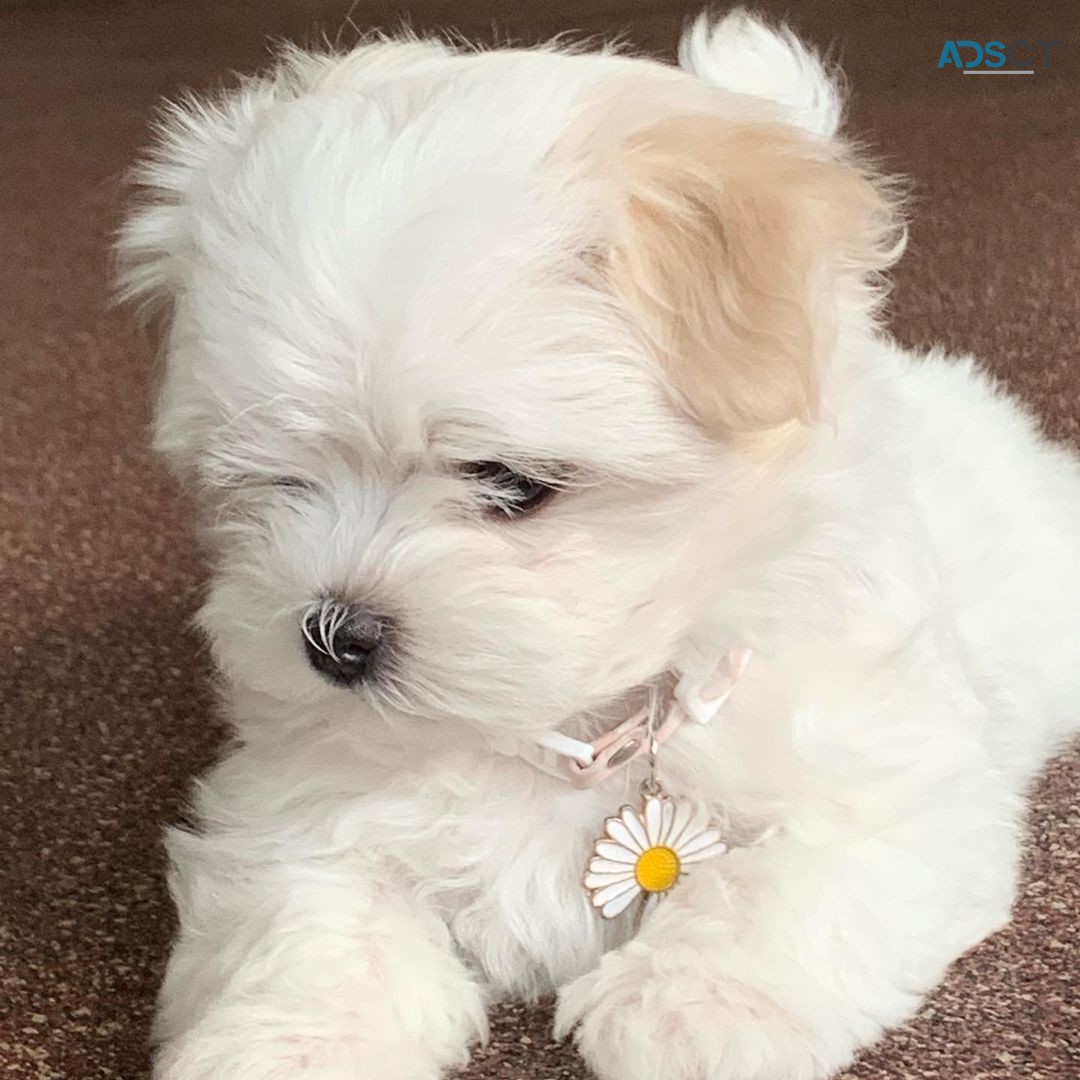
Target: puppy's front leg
(779, 961)
(312, 965)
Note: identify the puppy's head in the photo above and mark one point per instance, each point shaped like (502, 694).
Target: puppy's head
(464, 353)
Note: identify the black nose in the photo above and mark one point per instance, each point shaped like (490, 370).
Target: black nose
(342, 640)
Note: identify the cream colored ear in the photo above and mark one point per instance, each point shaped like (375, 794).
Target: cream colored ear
(731, 245)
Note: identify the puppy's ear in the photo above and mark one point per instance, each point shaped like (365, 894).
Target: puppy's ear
(201, 143)
(160, 242)
(184, 215)
(732, 246)
(197, 142)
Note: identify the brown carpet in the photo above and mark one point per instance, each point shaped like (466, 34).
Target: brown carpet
(104, 703)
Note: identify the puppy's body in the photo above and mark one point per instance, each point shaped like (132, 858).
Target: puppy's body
(389, 266)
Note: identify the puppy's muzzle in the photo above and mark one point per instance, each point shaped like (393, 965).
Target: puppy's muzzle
(343, 641)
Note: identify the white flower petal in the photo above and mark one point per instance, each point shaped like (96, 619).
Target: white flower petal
(619, 904)
(610, 892)
(610, 866)
(699, 823)
(616, 852)
(667, 816)
(654, 816)
(683, 813)
(632, 821)
(705, 853)
(622, 835)
(695, 843)
(601, 881)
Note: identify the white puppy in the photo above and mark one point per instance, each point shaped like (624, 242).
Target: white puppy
(513, 384)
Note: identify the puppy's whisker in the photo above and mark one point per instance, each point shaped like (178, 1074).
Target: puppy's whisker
(305, 625)
(337, 619)
(339, 616)
(324, 631)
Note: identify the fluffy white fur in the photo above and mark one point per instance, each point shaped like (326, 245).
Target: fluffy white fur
(375, 267)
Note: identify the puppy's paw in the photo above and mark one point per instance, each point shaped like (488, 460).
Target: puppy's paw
(260, 1054)
(653, 1014)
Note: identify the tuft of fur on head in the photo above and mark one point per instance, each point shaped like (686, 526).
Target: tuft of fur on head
(387, 266)
(744, 54)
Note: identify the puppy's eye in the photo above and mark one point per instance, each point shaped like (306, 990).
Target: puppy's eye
(506, 491)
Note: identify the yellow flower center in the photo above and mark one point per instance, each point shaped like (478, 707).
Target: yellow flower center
(657, 869)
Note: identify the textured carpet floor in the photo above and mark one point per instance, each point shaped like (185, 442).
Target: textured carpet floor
(104, 703)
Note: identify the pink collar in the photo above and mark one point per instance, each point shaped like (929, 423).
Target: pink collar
(698, 696)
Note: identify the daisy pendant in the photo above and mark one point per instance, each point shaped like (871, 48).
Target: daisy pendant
(645, 853)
